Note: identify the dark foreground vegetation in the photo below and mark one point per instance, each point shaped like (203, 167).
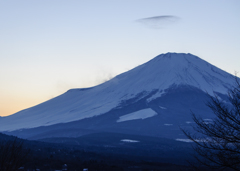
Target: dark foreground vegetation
(217, 143)
(124, 156)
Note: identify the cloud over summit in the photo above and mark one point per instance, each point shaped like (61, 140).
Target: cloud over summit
(158, 22)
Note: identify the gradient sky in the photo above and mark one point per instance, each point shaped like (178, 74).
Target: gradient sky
(50, 46)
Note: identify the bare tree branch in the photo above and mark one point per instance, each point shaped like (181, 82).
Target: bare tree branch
(217, 143)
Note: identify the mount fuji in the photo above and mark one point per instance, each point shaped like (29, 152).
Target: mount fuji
(153, 99)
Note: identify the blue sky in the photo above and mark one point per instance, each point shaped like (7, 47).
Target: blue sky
(48, 47)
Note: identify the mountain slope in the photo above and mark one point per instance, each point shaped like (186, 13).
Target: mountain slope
(138, 89)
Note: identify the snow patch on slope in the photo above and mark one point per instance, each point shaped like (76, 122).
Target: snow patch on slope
(184, 140)
(162, 107)
(141, 114)
(168, 124)
(129, 141)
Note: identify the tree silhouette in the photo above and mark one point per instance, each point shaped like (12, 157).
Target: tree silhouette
(12, 155)
(217, 143)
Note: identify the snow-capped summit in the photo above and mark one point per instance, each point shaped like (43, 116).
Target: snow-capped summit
(171, 69)
(147, 82)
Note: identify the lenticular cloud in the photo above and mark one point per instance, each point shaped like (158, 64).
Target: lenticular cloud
(158, 22)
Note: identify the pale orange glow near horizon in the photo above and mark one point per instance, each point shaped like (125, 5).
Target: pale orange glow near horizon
(11, 105)
(13, 102)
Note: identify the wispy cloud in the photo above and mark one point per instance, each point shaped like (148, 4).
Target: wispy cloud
(103, 77)
(158, 22)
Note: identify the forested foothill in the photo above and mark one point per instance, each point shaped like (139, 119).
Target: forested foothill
(163, 154)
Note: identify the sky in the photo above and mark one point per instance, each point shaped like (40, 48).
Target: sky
(48, 47)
